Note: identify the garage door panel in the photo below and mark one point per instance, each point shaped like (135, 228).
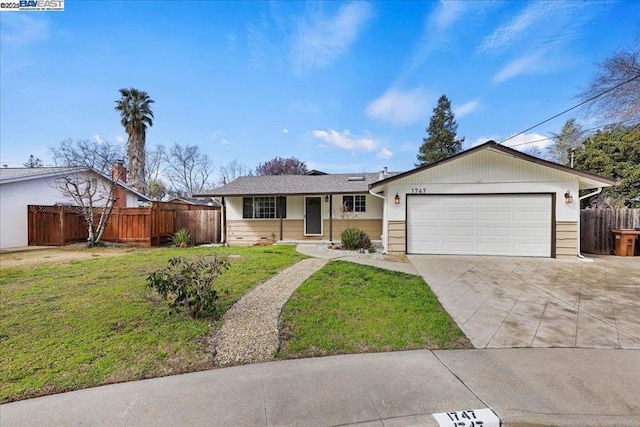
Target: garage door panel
(518, 225)
(493, 231)
(532, 232)
(497, 215)
(456, 201)
(451, 215)
(532, 216)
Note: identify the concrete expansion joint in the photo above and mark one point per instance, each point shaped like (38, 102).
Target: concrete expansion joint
(460, 381)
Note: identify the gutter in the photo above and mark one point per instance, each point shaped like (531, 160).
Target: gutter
(594, 193)
(385, 225)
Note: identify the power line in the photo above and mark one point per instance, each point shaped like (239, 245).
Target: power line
(572, 108)
(581, 131)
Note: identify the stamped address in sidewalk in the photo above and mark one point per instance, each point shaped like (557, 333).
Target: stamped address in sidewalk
(469, 418)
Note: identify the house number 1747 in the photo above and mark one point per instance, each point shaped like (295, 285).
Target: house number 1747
(421, 190)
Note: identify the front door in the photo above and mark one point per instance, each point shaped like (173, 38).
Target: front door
(313, 216)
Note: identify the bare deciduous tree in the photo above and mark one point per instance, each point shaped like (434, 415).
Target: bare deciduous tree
(188, 169)
(622, 103)
(89, 182)
(232, 170)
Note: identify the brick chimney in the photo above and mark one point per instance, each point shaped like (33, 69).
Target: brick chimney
(119, 173)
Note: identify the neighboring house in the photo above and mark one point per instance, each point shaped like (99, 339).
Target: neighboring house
(20, 187)
(195, 202)
(488, 200)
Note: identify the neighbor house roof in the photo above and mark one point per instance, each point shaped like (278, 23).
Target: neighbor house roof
(22, 174)
(350, 183)
(9, 175)
(194, 201)
(492, 145)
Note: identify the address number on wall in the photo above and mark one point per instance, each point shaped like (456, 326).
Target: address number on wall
(421, 190)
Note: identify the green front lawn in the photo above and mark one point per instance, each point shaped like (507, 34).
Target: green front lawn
(93, 322)
(352, 308)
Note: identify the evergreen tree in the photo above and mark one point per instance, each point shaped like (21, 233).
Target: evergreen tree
(441, 141)
(569, 138)
(615, 153)
(33, 162)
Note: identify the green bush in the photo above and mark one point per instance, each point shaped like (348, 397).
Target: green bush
(189, 283)
(181, 238)
(353, 238)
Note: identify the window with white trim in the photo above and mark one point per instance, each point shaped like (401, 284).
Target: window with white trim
(264, 207)
(357, 203)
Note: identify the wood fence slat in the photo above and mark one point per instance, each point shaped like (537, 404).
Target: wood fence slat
(59, 225)
(596, 226)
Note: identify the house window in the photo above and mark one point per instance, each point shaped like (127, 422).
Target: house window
(264, 207)
(356, 203)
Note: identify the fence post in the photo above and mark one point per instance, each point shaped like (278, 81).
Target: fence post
(61, 223)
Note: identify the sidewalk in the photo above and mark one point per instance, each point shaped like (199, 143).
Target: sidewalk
(523, 386)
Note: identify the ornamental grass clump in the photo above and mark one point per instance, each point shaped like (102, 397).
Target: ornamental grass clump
(189, 283)
(353, 238)
(181, 238)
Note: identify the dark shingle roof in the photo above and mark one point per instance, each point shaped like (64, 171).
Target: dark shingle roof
(296, 185)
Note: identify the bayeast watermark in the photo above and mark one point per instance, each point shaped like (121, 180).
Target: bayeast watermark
(32, 6)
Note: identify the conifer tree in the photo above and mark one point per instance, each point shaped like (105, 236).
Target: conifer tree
(441, 141)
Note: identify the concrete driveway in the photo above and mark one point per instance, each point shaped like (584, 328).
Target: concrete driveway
(502, 302)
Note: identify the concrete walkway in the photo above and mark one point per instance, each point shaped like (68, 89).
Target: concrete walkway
(313, 251)
(505, 302)
(522, 386)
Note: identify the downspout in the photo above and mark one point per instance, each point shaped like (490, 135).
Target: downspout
(223, 217)
(598, 191)
(385, 227)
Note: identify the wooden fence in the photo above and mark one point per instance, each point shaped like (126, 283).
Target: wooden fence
(152, 226)
(596, 226)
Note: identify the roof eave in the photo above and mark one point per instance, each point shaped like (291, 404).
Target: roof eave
(506, 150)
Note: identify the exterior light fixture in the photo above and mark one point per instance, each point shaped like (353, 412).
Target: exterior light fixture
(397, 199)
(568, 198)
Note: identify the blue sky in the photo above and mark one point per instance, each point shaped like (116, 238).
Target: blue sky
(344, 86)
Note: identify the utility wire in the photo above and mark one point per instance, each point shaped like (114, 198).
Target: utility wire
(572, 108)
(581, 132)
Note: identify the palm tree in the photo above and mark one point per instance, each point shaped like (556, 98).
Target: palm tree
(135, 111)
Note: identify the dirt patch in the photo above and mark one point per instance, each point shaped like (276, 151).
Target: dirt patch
(47, 256)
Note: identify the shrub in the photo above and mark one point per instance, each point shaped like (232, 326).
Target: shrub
(181, 238)
(354, 238)
(189, 283)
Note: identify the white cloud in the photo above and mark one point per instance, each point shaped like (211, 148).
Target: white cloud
(120, 139)
(508, 34)
(224, 141)
(320, 40)
(526, 64)
(21, 30)
(99, 139)
(400, 107)
(467, 108)
(285, 130)
(436, 31)
(385, 153)
(447, 14)
(345, 140)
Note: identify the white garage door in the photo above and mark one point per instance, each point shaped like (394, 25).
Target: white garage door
(515, 225)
